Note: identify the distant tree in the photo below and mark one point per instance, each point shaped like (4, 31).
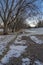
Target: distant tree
(40, 24)
(11, 9)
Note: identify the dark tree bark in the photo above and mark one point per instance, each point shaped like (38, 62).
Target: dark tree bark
(5, 29)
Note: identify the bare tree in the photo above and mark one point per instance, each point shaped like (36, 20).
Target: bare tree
(11, 9)
(15, 26)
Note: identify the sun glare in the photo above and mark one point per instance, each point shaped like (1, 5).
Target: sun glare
(32, 23)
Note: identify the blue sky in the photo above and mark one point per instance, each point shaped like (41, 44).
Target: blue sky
(32, 22)
(40, 5)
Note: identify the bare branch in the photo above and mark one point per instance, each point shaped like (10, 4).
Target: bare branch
(1, 6)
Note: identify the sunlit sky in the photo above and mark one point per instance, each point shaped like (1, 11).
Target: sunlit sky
(34, 22)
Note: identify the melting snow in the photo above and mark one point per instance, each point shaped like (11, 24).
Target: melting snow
(15, 51)
(38, 62)
(4, 42)
(20, 42)
(26, 61)
(35, 39)
(34, 31)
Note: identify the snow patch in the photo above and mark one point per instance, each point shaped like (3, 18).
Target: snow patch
(4, 40)
(38, 62)
(15, 51)
(36, 40)
(20, 41)
(25, 61)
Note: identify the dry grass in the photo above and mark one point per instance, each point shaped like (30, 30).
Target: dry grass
(33, 48)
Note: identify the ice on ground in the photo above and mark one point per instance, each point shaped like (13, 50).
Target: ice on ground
(36, 40)
(15, 51)
(26, 61)
(4, 42)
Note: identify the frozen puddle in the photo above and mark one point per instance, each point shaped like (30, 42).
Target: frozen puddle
(26, 61)
(36, 40)
(4, 40)
(15, 51)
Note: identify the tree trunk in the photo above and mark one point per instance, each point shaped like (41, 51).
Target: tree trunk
(12, 30)
(5, 29)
